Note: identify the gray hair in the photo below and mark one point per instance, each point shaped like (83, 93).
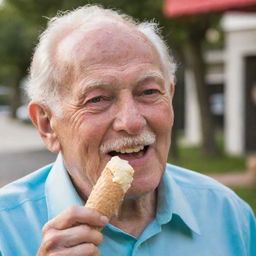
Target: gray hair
(45, 77)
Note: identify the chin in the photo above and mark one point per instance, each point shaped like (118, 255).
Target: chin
(139, 189)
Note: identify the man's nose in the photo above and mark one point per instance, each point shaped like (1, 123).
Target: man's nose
(128, 117)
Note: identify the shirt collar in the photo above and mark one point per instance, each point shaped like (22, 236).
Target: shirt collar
(61, 194)
(59, 190)
(171, 200)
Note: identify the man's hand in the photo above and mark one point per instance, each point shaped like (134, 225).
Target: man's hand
(72, 233)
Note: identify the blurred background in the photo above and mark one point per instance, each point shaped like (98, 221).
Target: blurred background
(214, 45)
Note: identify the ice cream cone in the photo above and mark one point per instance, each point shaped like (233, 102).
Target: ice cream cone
(109, 190)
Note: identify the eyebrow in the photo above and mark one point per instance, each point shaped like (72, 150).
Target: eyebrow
(85, 86)
(151, 75)
(92, 83)
(88, 85)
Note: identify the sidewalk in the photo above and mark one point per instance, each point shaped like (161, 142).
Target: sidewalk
(22, 150)
(16, 136)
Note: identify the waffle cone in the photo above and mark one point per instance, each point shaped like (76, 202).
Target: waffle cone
(106, 195)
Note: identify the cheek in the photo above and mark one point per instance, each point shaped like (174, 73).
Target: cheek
(91, 135)
(93, 129)
(160, 118)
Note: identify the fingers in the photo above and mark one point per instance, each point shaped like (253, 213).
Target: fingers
(82, 233)
(73, 233)
(80, 250)
(77, 215)
(71, 237)
(85, 249)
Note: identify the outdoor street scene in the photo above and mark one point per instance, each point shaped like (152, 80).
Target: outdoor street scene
(152, 104)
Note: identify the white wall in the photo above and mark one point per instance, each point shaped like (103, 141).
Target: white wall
(240, 42)
(192, 117)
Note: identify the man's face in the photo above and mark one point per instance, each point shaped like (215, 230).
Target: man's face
(119, 105)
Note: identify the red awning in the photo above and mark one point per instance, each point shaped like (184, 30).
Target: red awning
(175, 8)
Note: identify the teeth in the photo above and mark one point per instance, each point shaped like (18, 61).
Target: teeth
(131, 150)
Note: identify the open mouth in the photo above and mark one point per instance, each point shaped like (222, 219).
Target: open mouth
(127, 153)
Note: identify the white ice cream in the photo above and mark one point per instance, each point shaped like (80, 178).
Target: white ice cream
(122, 172)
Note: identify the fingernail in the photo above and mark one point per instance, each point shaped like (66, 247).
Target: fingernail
(104, 220)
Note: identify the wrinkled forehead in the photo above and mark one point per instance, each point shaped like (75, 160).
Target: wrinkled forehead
(101, 43)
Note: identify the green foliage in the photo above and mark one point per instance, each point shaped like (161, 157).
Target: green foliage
(191, 157)
(3, 100)
(16, 43)
(35, 11)
(247, 194)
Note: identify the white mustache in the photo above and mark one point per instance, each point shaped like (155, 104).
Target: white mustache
(145, 138)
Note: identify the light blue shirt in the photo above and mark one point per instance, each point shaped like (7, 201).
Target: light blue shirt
(195, 216)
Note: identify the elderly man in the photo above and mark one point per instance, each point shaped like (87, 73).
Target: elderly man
(102, 85)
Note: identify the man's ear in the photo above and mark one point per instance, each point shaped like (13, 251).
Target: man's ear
(172, 89)
(41, 117)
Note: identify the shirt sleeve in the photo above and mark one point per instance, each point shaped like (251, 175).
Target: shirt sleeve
(248, 223)
(252, 236)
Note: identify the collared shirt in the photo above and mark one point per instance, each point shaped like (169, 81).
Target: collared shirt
(195, 216)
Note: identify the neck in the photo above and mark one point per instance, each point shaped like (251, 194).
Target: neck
(135, 214)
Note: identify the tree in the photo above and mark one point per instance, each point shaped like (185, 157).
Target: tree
(15, 48)
(196, 28)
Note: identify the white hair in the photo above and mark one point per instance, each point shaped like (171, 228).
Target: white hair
(46, 77)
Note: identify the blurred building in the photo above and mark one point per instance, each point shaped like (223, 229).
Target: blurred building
(231, 76)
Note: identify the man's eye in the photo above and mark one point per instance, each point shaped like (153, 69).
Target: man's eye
(150, 91)
(96, 99)
(98, 102)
